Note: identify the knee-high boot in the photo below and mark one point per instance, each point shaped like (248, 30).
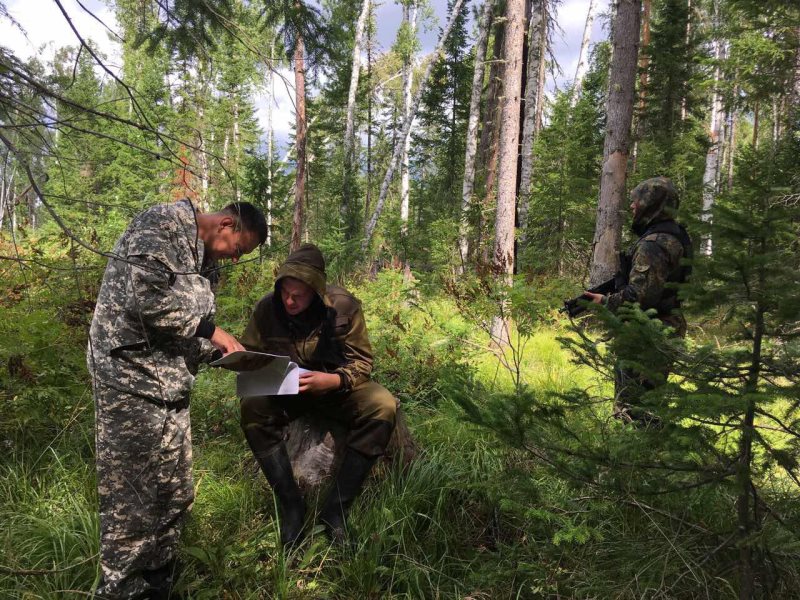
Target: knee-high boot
(349, 479)
(291, 507)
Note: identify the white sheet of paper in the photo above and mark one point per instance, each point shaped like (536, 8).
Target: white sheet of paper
(279, 377)
(236, 361)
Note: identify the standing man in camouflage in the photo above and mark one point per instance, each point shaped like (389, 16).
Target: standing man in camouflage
(649, 274)
(321, 327)
(153, 324)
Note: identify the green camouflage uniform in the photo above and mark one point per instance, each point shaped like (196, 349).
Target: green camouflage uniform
(330, 336)
(650, 272)
(142, 356)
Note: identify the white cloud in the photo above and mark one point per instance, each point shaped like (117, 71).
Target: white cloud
(571, 18)
(47, 29)
(282, 106)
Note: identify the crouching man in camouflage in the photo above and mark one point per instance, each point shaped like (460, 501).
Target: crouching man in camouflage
(321, 327)
(650, 270)
(153, 324)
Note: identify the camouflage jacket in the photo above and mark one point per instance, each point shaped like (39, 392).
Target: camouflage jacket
(332, 338)
(651, 263)
(150, 304)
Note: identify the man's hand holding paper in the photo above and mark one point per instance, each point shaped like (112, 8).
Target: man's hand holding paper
(317, 382)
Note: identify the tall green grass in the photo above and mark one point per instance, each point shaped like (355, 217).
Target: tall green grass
(469, 518)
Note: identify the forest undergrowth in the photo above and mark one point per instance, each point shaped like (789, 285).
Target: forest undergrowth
(471, 517)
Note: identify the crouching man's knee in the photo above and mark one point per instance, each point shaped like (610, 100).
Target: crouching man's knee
(376, 409)
(263, 424)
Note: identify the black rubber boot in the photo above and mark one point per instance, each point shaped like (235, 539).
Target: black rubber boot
(162, 581)
(349, 479)
(292, 508)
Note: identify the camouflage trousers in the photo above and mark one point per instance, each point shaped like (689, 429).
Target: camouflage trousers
(144, 484)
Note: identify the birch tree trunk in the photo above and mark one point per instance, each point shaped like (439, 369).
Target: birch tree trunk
(731, 143)
(756, 130)
(619, 112)
(271, 99)
(348, 202)
(472, 128)
(202, 159)
(237, 146)
(583, 57)
(687, 40)
(368, 199)
(503, 254)
(6, 187)
(300, 143)
(537, 51)
(711, 172)
(369, 229)
(410, 19)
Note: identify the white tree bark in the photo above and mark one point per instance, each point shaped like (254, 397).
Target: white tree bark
(472, 127)
(503, 254)
(237, 147)
(622, 77)
(409, 17)
(583, 57)
(349, 132)
(711, 172)
(6, 189)
(537, 53)
(369, 229)
(270, 133)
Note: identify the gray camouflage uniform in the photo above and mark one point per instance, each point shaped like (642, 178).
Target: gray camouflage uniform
(142, 357)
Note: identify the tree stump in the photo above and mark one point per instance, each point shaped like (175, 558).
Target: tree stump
(316, 447)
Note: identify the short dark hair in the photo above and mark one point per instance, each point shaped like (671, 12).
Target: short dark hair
(249, 217)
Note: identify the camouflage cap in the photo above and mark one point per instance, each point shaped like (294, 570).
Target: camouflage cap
(657, 197)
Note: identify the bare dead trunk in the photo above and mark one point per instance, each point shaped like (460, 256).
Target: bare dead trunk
(398, 147)
(608, 228)
(503, 255)
(300, 144)
(472, 128)
(537, 53)
(583, 57)
(348, 202)
(540, 79)
(409, 17)
(644, 62)
(487, 150)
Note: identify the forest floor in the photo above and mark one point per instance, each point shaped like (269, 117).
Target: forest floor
(469, 518)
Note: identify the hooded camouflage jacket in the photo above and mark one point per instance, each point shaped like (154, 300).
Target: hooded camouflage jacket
(651, 268)
(329, 336)
(150, 304)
